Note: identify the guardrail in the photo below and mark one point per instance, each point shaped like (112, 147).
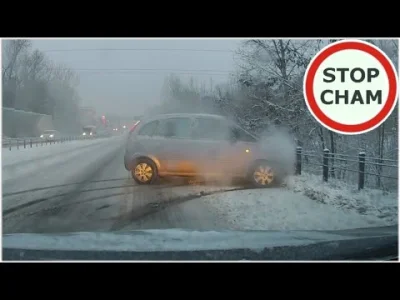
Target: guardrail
(337, 166)
(23, 143)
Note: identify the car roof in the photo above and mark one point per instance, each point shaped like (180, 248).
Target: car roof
(192, 115)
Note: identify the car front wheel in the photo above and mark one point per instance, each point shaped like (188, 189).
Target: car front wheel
(262, 175)
(144, 171)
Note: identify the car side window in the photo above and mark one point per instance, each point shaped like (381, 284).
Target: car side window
(210, 129)
(241, 135)
(175, 128)
(149, 129)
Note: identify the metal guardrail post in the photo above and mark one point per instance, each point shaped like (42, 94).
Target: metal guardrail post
(325, 167)
(298, 161)
(361, 170)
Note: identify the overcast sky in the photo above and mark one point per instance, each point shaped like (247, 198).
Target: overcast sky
(135, 90)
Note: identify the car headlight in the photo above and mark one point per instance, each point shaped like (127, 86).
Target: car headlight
(41, 136)
(84, 133)
(51, 135)
(90, 133)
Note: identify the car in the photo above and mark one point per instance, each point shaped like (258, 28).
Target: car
(196, 145)
(89, 131)
(50, 135)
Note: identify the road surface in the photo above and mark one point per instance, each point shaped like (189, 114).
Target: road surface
(103, 197)
(83, 186)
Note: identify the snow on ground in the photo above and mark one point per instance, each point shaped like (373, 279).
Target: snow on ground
(281, 209)
(62, 172)
(305, 203)
(27, 154)
(30, 161)
(339, 194)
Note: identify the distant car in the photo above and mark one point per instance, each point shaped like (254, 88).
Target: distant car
(89, 131)
(116, 131)
(49, 135)
(196, 145)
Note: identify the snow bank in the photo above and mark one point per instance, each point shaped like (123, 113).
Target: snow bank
(344, 196)
(305, 203)
(281, 209)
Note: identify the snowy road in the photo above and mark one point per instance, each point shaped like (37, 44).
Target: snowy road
(90, 190)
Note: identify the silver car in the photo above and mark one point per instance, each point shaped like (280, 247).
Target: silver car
(196, 145)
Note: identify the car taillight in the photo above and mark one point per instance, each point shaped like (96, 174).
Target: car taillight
(133, 127)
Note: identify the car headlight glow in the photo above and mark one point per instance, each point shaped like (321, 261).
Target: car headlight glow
(51, 135)
(84, 133)
(41, 136)
(90, 133)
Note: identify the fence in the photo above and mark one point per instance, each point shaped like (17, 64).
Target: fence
(338, 166)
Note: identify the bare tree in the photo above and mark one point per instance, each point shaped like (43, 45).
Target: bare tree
(12, 51)
(32, 82)
(11, 56)
(269, 90)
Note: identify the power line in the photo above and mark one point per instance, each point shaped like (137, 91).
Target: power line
(151, 73)
(143, 69)
(138, 49)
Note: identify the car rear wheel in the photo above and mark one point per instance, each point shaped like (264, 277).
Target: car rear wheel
(262, 175)
(144, 171)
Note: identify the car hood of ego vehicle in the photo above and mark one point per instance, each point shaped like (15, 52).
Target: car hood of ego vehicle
(378, 243)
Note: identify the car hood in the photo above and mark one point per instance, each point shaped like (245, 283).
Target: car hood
(188, 240)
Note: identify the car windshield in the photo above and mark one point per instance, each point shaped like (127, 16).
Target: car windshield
(209, 135)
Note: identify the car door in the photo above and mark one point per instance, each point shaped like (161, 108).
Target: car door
(143, 143)
(210, 137)
(176, 148)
